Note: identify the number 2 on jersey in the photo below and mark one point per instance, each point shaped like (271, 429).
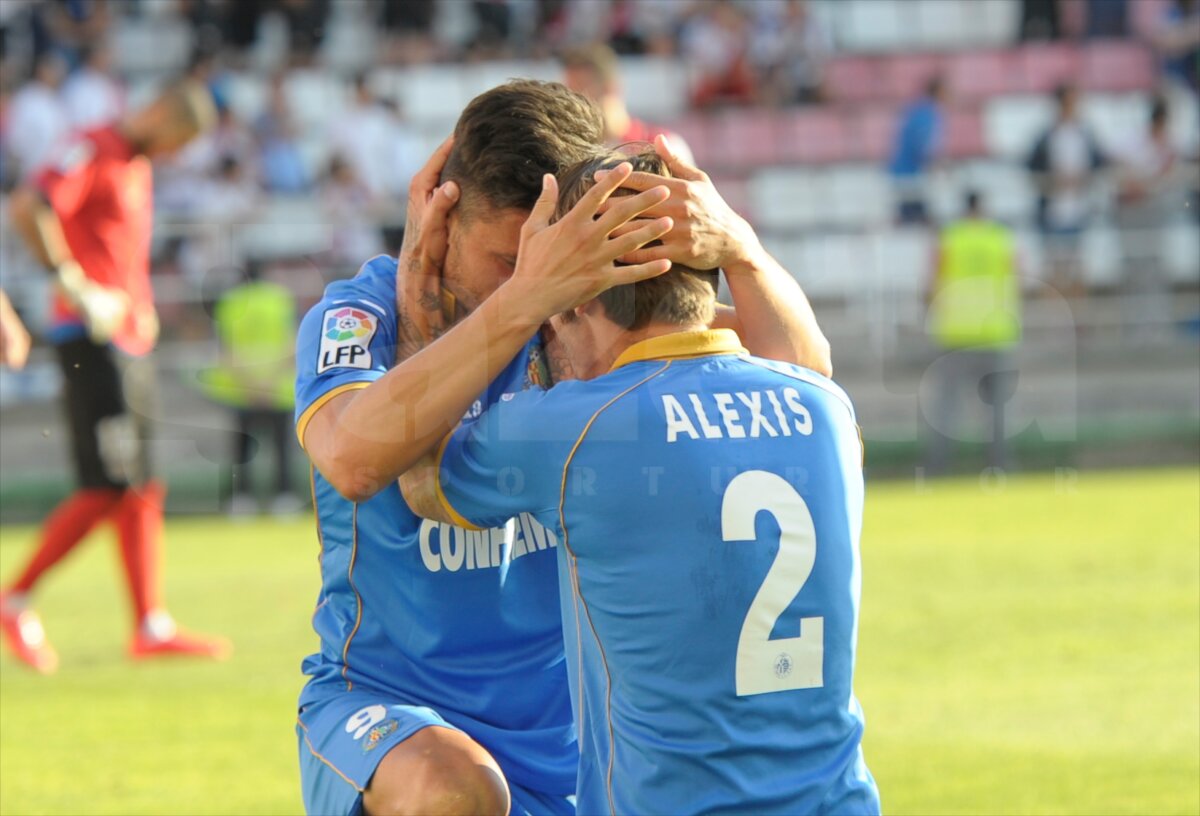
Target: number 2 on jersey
(764, 665)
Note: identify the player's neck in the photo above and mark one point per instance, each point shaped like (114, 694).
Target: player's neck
(622, 340)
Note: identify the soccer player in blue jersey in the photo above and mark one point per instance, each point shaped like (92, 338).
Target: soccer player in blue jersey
(440, 685)
(707, 505)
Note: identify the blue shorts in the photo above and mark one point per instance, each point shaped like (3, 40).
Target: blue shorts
(343, 739)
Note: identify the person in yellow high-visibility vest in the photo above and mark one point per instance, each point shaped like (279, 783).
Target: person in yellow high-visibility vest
(255, 323)
(974, 318)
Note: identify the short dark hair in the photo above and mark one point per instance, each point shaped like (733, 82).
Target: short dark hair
(681, 296)
(973, 201)
(510, 136)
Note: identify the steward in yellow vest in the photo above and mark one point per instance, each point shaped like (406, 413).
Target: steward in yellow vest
(976, 298)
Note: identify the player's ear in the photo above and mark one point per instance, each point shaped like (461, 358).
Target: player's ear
(591, 307)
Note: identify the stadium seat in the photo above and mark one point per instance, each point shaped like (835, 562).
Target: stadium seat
(871, 132)
(744, 139)
(787, 199)
(860, 197)
(1181, 252)
(1008, 191)
(873, 25)
(940, 25)
(656, 88)
(1117, 66)
(981, 74)
(1041, 67)
(315, 97)
(964, 134)
(428, 94)
(150, 46)
(1102, 256)
(853, 79)
(905, 76)
(1115, 118)
(814, 136)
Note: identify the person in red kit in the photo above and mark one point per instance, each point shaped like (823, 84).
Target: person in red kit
(87, 216)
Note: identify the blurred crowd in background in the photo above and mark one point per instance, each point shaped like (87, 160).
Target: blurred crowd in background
(849, 131)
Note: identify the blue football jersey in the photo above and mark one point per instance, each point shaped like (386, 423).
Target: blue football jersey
(709, 507)
(462, 621)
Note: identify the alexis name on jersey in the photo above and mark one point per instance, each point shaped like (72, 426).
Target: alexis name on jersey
(444, 546)
(737, 415)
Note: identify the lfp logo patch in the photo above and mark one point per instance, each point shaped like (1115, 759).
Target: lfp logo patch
(346, 339)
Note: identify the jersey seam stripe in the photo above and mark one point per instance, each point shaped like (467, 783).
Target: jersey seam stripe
(315, 753)
(455, 516)
(578, 592)
(357, 599)
(312, 487)
(835, 391)
(320, 402)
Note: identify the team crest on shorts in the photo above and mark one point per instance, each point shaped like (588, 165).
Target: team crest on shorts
(346, 338)
(376, 734)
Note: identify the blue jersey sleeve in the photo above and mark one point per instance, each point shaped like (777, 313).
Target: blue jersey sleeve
(505, 462)
(346, 341)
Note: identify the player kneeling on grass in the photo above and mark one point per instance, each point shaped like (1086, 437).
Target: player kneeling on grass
(708, 505)
(440, 685)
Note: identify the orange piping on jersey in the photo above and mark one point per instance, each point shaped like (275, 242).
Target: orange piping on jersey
(357, 598)
(313, 751)
(319, 403)
(458, 518)
(578, 592)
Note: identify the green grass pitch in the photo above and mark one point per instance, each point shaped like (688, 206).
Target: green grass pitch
(1034, 649)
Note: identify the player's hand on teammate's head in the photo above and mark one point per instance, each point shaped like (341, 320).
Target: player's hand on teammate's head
(420, 301)
(707, 234)
(567, 263)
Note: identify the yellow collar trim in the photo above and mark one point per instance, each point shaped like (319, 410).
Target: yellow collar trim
(682, 344)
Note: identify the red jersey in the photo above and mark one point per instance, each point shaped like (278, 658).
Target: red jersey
(103, 193)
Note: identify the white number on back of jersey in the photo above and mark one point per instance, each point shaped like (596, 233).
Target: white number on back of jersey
(765, 665)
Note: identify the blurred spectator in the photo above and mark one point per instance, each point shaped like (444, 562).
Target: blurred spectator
(920, 139)
(14, 337)
(409, 31)
(1107, 19)
(594, 71)
(255, 325)
(37, 120)
(306, 20)
(348, 205)
(220, 204)
(789, 48)
(202, 160)
(1039, 20)
(493, 19)
(975, 320)
(1177, 39)
(92, 95)
(715, 43)
(362, 135)
(1064, 164)
(1149, 197)
(66, 26)
(282, 165)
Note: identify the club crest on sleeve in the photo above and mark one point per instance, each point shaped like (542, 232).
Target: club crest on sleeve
(346, 339)
(376, 735)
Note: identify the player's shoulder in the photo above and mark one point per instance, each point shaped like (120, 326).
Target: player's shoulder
(805, 379)
(372, 288)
